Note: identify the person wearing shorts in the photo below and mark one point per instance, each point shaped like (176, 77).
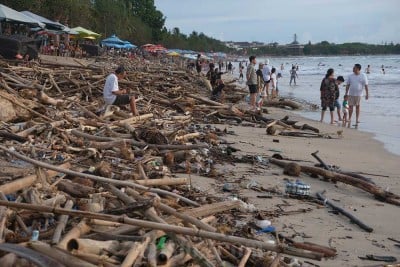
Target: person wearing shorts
(114, 96)
(252, 81)
(356, 82)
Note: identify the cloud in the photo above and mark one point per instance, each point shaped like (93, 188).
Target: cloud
(332, 20)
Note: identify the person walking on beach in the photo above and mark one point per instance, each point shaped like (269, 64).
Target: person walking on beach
(266, 71)
(328, 92)
(339, 81)
(273, 82)
(114, 96)
(198, 64)
(241, 73)
(260, 80)
(251, 77)
(293, 75)
(230, 67)
(356, 82)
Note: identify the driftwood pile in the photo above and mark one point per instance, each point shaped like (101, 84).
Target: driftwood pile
(97, 185)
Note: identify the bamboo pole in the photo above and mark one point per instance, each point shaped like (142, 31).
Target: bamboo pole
(92, 246)
(168, 228)
(80, 229)
(62, 256)
(62, 222)
(245, 258)
(136, 250)
(98, 260)
(98, 178)
(27, 181)
(152, 215)
(165, 254)
(163, 181)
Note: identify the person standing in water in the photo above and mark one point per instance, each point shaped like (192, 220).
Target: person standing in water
(356, 82)
(367, 70)
(293, 75)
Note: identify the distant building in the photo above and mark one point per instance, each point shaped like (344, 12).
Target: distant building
(295, 48)
(244, 45)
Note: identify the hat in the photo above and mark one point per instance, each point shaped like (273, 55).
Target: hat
(340, 78)
(267, 61)
(120, 69)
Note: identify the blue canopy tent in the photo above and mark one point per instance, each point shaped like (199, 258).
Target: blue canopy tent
(128, 45)
(113, 41)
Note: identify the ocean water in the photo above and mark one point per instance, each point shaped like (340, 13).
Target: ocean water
(380, 114)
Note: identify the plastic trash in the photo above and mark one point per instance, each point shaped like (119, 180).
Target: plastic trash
(227, 187)
(263, 223)
(298, 188)
(268, 229)
(35, 235)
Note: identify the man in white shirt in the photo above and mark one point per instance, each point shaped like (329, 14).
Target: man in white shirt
(356, 82)
(114, 96)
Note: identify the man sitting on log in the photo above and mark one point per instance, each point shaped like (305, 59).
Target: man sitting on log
(114, 96)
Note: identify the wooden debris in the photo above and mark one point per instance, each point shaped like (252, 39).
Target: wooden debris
(104, 192)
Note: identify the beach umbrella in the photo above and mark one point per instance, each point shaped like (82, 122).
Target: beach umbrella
(173, 54)
(9, 14)
(190, 56)
(85, 33)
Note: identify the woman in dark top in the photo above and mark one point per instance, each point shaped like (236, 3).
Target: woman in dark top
(328, 91)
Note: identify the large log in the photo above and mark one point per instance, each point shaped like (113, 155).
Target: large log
(282, 103)
(375, 190)
(75, 189)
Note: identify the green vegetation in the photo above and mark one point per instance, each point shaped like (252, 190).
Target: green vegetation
(135, 20)
(326, 48)
(140, 22)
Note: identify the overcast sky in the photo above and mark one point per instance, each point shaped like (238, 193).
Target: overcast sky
(338, 21)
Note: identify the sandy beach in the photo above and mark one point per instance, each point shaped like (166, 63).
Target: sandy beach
(261, 184)
(353, 151)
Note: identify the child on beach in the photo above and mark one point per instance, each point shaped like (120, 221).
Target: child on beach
(273, 82)
(277, 78)
(345, 106)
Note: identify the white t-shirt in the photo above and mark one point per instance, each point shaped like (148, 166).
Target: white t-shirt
(273, 80)
(357, 84)
(110, 86)
(266, 71)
